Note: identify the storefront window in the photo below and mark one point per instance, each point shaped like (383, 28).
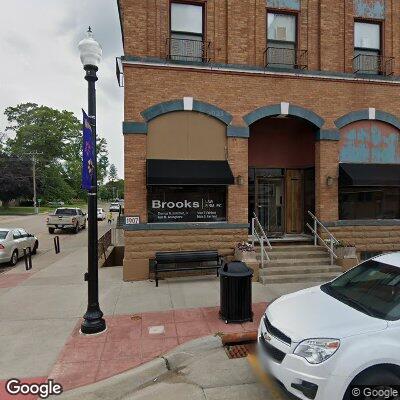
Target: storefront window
(186, 204)
(369, 203)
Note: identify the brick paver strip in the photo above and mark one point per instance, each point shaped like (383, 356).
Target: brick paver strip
(12, 280)
(127, 342)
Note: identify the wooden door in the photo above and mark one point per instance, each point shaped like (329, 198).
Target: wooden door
(294, 201)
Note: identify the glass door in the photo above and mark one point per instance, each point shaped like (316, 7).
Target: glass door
(269, 204)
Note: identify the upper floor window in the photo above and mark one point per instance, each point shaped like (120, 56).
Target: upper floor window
(281, 48)
(186, 40)
(367, 48)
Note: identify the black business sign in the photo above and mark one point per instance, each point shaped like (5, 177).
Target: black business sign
(186, 204)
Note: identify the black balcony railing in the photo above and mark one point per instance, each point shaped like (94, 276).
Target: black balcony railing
(178, 49)
(373, 64)
(286, 58)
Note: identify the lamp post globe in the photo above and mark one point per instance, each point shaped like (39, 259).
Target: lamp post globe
(90, 50)
(90, 53)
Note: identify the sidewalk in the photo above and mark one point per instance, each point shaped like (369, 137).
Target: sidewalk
(196, 370)
(40, 313)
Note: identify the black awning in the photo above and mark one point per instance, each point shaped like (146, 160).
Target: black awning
(188, 172)
(369, 174)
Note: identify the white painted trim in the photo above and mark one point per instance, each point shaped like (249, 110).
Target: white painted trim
(259, 72)
(188, 103)
(371, 113)
(284, 108)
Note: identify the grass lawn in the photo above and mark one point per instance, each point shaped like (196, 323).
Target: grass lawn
(30, 210)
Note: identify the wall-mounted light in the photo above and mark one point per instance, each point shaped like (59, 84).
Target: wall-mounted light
(329, 180)
(239, 180)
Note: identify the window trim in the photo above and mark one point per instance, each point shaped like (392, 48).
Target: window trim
(370, 21)
(200, 3)
(294, 13)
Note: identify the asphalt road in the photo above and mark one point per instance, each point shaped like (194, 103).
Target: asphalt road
(36, 224)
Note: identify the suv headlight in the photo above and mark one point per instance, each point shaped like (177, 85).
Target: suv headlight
(316, 351)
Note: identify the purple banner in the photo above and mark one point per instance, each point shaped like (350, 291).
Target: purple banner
(88, 173)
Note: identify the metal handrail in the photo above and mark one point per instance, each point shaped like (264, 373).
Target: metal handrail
(179, 49)
(284, 56)
(261, 237)
(332, 240)
(373, 64)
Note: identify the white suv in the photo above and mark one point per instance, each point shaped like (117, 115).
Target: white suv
(320, 342)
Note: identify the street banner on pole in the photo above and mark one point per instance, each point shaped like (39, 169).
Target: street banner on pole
(88, 153)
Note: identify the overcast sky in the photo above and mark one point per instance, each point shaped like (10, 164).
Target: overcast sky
(40, 60)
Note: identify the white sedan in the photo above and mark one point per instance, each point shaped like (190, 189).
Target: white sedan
(338, 339)
(101, 214)
(13, 241)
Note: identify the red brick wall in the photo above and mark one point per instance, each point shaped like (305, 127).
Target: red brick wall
(237, 30)
(239, 94)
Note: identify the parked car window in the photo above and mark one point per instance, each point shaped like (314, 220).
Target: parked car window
(23, 233)
(372, 288)
(16, 234)
(3, 234)
(66, 211)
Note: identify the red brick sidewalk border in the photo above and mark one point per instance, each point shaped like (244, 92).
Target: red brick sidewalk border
(13, 279)
(129, 342)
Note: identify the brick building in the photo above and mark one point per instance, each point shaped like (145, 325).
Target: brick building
(273, 107)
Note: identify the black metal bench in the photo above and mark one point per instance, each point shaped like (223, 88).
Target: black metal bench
(184, 257)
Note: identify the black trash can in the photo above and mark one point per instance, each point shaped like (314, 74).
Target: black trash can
(235, 282)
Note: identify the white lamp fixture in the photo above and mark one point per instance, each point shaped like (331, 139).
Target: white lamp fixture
(90, 50)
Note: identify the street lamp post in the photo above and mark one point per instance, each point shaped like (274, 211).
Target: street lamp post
(90, 53)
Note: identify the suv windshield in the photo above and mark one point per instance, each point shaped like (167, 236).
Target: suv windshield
(372, 288)
(65, 211)
(3, 234)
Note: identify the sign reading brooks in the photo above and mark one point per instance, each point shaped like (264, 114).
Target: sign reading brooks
(186, 205)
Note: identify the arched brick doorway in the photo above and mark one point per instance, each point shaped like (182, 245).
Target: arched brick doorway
(281, 163)
(282, 174)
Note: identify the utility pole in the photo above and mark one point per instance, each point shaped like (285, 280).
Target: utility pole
(33, 155)
(34, 182)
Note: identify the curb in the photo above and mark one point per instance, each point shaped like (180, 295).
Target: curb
(119, 385)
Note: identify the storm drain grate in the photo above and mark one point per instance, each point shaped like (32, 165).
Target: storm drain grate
(240, 350)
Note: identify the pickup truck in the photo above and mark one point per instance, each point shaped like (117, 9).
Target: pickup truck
(67, 218)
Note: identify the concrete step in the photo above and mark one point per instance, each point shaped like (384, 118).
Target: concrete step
(272, 271)
(320, 277)
(295, 248)
(282, 263)
(289, 255)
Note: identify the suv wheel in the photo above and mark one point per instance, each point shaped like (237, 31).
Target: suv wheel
(14, 258)
(76, 229)
(382, 377)
(51, 230)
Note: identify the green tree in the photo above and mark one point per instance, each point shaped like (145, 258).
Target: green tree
(112, 173)
(3, 140)
(56, 137)
(15, 178)
(109, 190)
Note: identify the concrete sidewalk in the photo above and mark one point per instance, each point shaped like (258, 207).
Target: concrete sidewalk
(40, 311)
(199, 369)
